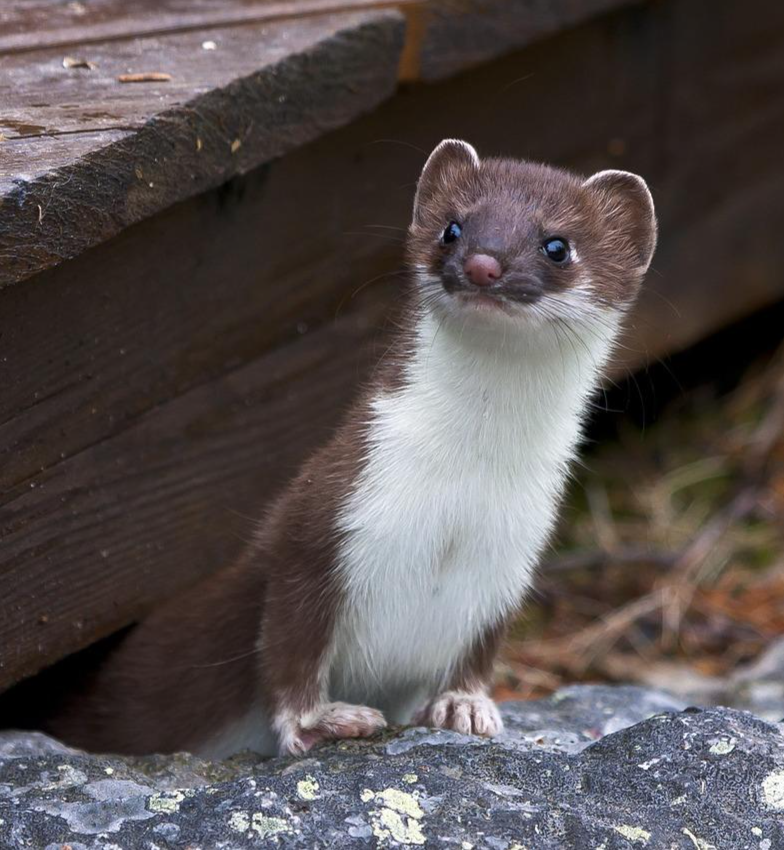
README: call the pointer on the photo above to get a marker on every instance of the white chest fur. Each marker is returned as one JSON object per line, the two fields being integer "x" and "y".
{"x": 465, "y": 467}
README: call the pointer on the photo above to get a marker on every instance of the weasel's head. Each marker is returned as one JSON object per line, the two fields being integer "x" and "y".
{"x": 502, "y": 239}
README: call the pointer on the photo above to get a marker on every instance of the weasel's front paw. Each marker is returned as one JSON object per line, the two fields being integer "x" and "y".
{"x": 329, "y": 721}
{"x": 469, "y": 713}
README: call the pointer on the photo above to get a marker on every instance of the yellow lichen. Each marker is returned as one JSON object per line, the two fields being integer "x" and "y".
{"x": 398, "y": 818}
{"x": 773, "y": 789}
{"x": 307, "y": 788}
{"x": 265, "y": 825}
{"x": 411, "y": 778}
{"x": 402, "y": 802}
{"x": 165, "y": 802}
{"x": 387, "y": 823}
{"x": 239, "y": 822}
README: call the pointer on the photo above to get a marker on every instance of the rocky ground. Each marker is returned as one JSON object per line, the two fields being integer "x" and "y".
{"x": 596, "y": 767}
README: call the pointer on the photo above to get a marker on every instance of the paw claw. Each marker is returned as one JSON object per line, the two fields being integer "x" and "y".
{"x": 438, "y": 714}
{"x": 330, "y": 721}
{"x": 467, "y": 713}
{"x": 294, "y": 746}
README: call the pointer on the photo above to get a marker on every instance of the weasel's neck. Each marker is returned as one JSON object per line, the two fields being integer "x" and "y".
{"x": 480, "y": 383}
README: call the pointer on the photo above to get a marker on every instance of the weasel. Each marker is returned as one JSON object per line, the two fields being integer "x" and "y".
{"x": 379, "y": 583}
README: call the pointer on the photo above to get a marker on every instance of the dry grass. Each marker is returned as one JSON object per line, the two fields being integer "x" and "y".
{"x": 671, "y": 552}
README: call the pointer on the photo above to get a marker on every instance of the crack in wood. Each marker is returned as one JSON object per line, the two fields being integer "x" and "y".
{"x": 83, "y": 131}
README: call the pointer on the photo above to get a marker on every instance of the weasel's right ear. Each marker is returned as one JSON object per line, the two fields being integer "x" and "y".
{"x": 443, "y": 169}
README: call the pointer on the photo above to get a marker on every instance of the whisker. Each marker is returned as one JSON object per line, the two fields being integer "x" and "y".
{"x": 401, "y": 143}
{"x": 362, "y": 286}
{"x": 251, "y": 652}
{"x": 396, "y": 240}
{"x": 387, "y": 227}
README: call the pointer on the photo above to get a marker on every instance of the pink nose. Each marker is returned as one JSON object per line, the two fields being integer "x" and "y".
{"x": 482, "y": 269}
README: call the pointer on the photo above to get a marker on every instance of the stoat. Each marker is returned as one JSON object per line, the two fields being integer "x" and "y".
{"x": 380, "y": 582}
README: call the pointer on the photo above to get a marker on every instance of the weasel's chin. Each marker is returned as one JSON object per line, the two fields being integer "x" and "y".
{"x": 493, "y": 312}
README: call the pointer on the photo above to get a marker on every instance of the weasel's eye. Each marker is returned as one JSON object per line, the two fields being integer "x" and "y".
{"x": 556, "y": 249}
{"x": 451, "y": 233}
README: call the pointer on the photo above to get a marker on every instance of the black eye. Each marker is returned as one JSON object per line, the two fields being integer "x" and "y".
{"x": 451, "y": 233}
{"x": 556, "y": 249}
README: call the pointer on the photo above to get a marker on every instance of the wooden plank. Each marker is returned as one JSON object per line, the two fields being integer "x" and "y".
{"x": 717, "y": 168}
{"x": 694, "y": 292}
{"x": 182, "y": 299}
{"x": 31, "y": 26}
{"x": 19, "y": 167}
{"x": 125, "y": 339}
{"x": 275, "y": 88}
{"x": 123, "y": 367}
{"x": 176, "y": 507}
{"x": 459, "y": 34}
{"x": 44, "y": 99}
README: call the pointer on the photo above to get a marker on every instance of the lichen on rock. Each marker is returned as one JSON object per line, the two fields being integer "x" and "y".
{"x": 592, "y": 767}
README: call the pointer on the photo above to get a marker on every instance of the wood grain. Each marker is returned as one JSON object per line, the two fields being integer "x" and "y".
{"x": 268, "y": 90}
{"x": 463, "y": 33}
{"x": 42, "y": 98}
{"x": 166, "y": 501}
{"x": 30, "y": 26}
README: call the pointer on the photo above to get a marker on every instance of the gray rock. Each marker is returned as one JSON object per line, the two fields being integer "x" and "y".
{"x": 591, "y": 767}
{"x": 757, "y": 687}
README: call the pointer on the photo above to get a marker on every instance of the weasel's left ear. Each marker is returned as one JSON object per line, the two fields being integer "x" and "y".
{"x": 450, "y": 161}
{"x": 627, "y": 203}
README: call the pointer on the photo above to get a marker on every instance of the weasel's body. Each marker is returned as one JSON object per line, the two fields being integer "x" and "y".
{"x": 435, "y": 553}
{"x": 381, "y": 581}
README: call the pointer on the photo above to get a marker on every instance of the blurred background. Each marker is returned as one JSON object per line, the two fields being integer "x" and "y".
{"x": 202, "y": 213}
{"x": 668, "y": 569}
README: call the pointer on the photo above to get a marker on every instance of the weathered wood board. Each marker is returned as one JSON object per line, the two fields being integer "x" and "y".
{"x": 458, "y": 34}
{"x": 33, "y": 24}
{"x": 160, "y": 387}
{"x": 268, "y": 89}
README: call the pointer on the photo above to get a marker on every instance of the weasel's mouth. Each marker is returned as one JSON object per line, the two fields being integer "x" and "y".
{"x": 510, "y": 294}
{"x": 486, "y": 300}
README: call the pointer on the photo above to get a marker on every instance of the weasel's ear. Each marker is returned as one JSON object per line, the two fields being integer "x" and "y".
{"x": 627, "y": 203}
{"x": 444, "y": 167}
